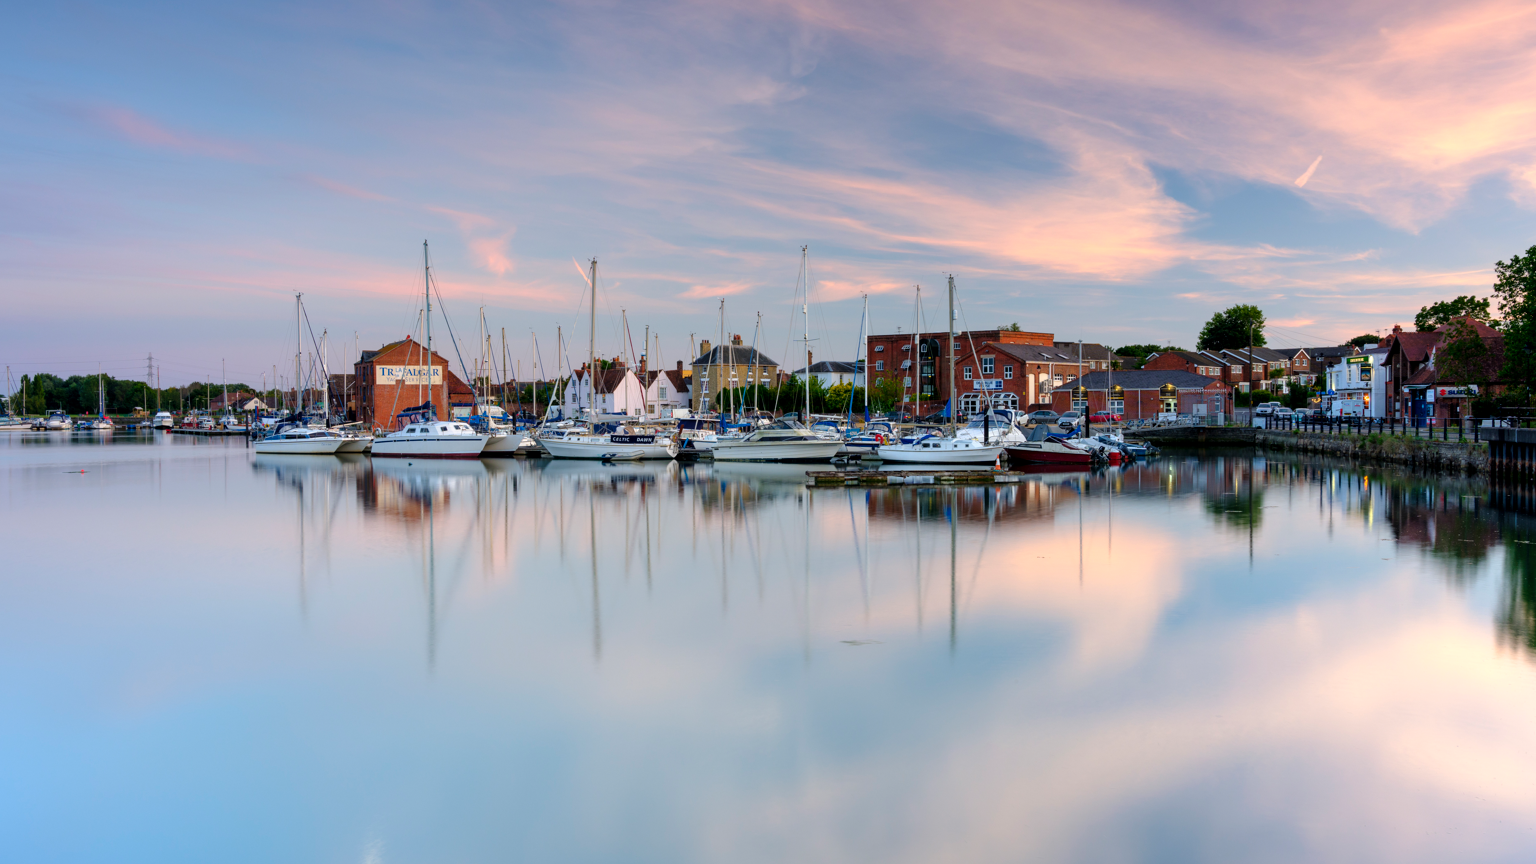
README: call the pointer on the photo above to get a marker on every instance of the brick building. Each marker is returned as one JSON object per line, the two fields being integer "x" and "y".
{"x": 1142, "y": 394}
{"x": 727, "y": 367}
{"x": 396, "y": 377}
{"x": 1016, "y": 368}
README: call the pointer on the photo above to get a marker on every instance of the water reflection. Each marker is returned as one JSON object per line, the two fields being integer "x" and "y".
{"x": 719, "y": 663}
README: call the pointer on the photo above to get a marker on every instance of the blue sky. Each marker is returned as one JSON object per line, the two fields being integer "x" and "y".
{"x": 172, "y": 174}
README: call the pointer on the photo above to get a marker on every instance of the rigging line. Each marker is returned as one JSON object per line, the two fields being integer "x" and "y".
{"x": 789, "y": 332}
{"x": 443, "y": 307}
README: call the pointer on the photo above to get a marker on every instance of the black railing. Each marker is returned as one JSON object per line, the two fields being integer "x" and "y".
{"x": 1428, "y": 428}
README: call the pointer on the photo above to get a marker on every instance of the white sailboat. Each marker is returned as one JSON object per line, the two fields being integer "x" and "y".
{"x": 784, "y": 440}
{"x": 948, "y": 449}
{"x": 300, "y": 440}
{"x": 424, "y": 436}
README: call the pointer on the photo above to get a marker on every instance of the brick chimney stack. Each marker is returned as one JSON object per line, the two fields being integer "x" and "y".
{"x": 736, "y": 339}
{"x": 704, "y": 347}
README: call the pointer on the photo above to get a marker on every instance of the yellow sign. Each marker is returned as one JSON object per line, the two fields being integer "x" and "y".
{"x": 406, "y": 375}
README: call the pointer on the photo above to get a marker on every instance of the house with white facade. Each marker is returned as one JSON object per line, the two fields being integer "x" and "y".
{"x": 833, "y": 372}
{"x": 667, "y": 390}
{"x": 619, "y": 391}
{"x": 1358, "y": 386}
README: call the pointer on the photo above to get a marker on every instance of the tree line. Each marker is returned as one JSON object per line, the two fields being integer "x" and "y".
{"x": 44, "y": 392}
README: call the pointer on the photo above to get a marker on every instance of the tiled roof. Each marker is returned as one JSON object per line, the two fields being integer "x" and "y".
{"x": 734, "y": 355}
{"x": 1143, "y": 379}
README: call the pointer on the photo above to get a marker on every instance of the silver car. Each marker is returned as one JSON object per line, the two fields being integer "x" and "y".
{"x": 1070, "y": 420}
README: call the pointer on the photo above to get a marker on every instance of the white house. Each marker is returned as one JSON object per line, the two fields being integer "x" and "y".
{"x": 1358, "y": 385}
{"x": 666, "y": 391}
{"x": 619, "y": 391}
{"x": 832, "y": 372}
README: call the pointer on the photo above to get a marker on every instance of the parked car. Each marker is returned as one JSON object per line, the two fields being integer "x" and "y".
{"x": 1265, "y": 408}
{"x": 1305, "y": 413}
{"x": 1283, "y": 411}
{"x": 936, "y": 417}
{"x": 1104, "y": 417}
{"x": 1069, "y": 420}
{"x": 1042, "y": 417}
{"x": 900, "y": 417}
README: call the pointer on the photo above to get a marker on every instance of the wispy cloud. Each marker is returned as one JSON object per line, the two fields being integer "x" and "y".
{"x": 133, "y": 127}
{"x": 1307, "y": 174}
{"x": 340, "y": 188}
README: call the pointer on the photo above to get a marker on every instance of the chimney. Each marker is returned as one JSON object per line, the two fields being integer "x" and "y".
{"x": 679, "y": 366}
{"x": 1396, "y": 329}
{"x": 703, "y": 347}
{"x": 736, "y": 339}
{"x": 810, "y": 360}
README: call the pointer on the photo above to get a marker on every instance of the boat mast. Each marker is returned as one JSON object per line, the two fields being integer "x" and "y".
{"x": 592, "y": 347}
{"x": 720, "y": 352}
{"x": 951, "y": 334}
{"x": 426, "y": 291}
{"x": 325, "y": 374}
{"x": 860, "y": 352}
{"x": 914, "y": 362}
{"x": 805, "y": 308}
{"x": 298, "y": 347}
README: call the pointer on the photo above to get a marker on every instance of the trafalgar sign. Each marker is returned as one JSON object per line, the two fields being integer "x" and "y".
{"x": 407, "y": 375}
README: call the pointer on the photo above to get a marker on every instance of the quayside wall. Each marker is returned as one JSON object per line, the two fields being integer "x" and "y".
{"x": 1447, "y": 456}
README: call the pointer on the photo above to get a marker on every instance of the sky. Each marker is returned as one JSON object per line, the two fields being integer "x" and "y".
{"x": 171, "y": 174}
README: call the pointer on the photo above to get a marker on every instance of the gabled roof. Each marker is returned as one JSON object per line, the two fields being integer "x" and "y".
{"x": 1058, "y": 353}
{"x": 1091, "y": 350}
{"x": 1143, "y": 379}
{"x": 834, "y": 367}
{"x": 608, "y": 380}
{"x": 1331, "y": 351}
{"x": 734, "y": 355}
{"x": 1416, "y": 346}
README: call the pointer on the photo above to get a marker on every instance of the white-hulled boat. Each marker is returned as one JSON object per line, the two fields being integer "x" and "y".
{"x": 300, "y": 440}
{"x": 780, "y": 441}
{"x": 58, "y": 421}
{"x": 621, "y": 444}
{"x": 354, "y": 443}
{"x": 163, "y": 420}
{"x": 939, "y": 450}
{"x": 431, "y": 439}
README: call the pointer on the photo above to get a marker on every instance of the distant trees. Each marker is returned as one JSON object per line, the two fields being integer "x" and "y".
{"x": 77, "y": 394}
{"x": 1363, "y": 340}
{"x": 1438, "y": 315}
{"x": 1138, "y": 353}
{"x": 1233, "y": 328}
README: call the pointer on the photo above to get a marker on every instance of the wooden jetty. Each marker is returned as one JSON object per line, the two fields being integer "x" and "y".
{"x": 913, "y": 478}
{"x": 207, "y": 433}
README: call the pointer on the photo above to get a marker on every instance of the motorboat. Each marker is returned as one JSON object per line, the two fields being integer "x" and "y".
{"x": 428, "y": 438}
{"x": 231, "y": 423}
{"x": 995, "y": 427}
{"x": 101, "y": 424}
{"x": 779, "y": 441}
{"x": 11, "y": 421}
{"x": 866, "y": 442}
{"x": 57, "y": 421}
{"x": 1042, "y": 447}
{"x": 941, "y": 450}
{"x": 572, "y": 444}
{"x": 163, "y": 420}
{"x": 354, "y": 442}
{"x": 300, "y": 440}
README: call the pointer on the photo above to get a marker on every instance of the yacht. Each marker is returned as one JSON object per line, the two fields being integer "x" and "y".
{"x": 622, "y": 443}
{"x": 994, "y": 428}
{"x": 163, "y": 420}
{"x": 941, "y": 450}
{"x": 300, "y": 440}
{"x": 432, "y": 439}
{"x": 780, "y": 441}
{"x": 56, "y": 421}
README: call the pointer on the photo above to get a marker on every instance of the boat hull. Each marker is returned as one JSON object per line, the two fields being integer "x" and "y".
{"x": 429, "y": 446}
{"x": 298, "y": 446}
{"x": 566, "y": 448}
{"x": 785, "y": 451}
{"x": 978, "y": 455}
{"x": 1047, "y": 453}
{"x": 505, "y": 445}
{"x": 361, "y": 444}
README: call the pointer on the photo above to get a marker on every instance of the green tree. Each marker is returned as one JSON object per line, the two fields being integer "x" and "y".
{"x": 1232, "y": 328}
{"x": 885, "y": 394}
{"x": 1012, "y": 328}
{"x": 1364, "y": 339}
{"x": 1438, "y": 315}
{"x": 1464, "y": 357}
{"x": 1515, "y": 287}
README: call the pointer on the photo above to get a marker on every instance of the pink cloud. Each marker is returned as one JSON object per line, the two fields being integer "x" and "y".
{"x": 138, "y": 129}
{"x": 696, "y": 292}
{"x": 343, "y": 189}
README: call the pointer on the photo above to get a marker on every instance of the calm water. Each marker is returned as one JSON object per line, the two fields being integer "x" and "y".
{"x": 207, "y": 655}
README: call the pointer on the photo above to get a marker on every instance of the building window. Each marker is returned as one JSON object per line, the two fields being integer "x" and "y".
{"x": 906, "y": 382}
{"x": 1117, "y": 406}
{"x": 906, "y": 347}
{"x": 1079, "y": 404}
{"x": 927, "y": 370}
{"x": 967, "y": 373}
{"x": 928, "y": 390}
{"x": 879, "y": 365}
{"x": 661, "y": 392}
{"x": 879, "y": 349}
{"x": 906, "y": 364}
{"x": 986, "y": 366}
{"x": 1007, "y": 371}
